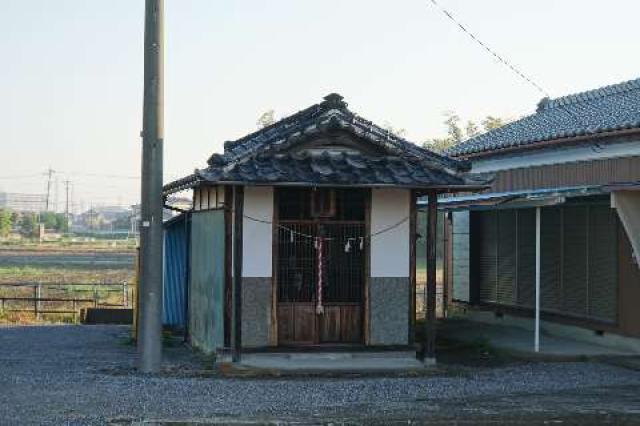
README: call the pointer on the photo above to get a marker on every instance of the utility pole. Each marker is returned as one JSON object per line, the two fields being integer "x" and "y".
{"x": 56, "y": 189}
{"x": 50, "y": 175}
{"x": 150, "y": 328}
{"x": 66, "y": 208}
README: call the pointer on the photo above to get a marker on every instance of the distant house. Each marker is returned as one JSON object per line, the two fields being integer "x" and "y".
{"x": 576, "y": 162}
{"x": 23, "y": 202}
{"x": 312, "y": 219}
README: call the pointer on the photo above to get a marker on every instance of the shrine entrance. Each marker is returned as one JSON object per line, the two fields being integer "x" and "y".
{"x": 321, "y": 255}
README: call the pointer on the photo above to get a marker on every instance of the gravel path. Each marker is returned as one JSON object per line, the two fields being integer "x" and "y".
{"x": 65, "y": 375}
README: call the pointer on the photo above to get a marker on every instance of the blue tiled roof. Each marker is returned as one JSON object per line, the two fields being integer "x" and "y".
{"x": 606, "y": 109}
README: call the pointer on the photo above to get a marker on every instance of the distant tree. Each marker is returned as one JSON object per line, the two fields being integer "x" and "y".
{"x": 455, "y": 134}
{"x": 28, "y": 224}
{"x": 49, "y": 220}
{"x": 471, "y": 129}
{"x": 453, "y": 127}
{"x": 400, "y": 132}
{"x": 122, "y": 223}
{"x": 490, "y": 122}
{"x": 6, "y": 221}
{"x": 62, "y": 225}
{"x": 438, "y": 144}
{"x": 266, "y": 119}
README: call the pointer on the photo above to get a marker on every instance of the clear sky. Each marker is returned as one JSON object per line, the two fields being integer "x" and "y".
{"x": 71, "y": 74}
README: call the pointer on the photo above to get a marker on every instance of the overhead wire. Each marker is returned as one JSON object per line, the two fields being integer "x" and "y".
{"x": 314, "y": 237}
{"x": 497, "y": 56}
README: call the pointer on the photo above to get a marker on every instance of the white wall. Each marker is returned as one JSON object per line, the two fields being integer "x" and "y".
{"x": 208, "y": 197}
{"x": 257, "y": 237}
{"x": 390, "y": 250}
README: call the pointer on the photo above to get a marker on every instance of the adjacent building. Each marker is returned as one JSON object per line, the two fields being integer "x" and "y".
{"x": 21, "y": 202}
{"x": 574, "y": 166}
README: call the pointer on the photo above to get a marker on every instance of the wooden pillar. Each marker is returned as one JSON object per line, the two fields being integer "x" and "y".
{"x": 413, "y": 239}
{"x": 429, "y": 350}
{"x": 536, "y": 342}
{"x": 238, "y": 204}
{"x": 447, "y": 290}
{"x": 228, "y": 265}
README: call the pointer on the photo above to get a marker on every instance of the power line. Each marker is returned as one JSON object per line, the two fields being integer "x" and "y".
{"x": 101, "y": 175}
{"x": 59, "y": 172}
{"x": 504, "y": 61}
{"x": 33, "y": 175}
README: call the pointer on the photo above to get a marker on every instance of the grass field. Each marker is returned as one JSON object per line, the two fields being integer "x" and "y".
{"x": 94, "y": 270}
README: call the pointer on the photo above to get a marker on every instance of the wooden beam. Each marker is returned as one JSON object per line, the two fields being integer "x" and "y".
{"x": 429, "y": 350}
{"x": 238, "y": 206}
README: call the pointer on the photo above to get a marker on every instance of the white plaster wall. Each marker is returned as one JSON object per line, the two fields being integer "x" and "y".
{"x": 390, "y": 250}
{"x": 196, "y": 199}
{"x": 208, "y": 197}
{"x": 257, "y": 237}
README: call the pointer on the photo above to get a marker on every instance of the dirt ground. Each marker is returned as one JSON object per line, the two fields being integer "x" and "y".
{"x": 79, "y": 375}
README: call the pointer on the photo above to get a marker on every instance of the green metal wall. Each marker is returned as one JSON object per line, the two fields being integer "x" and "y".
{"x": 206, "y": 293}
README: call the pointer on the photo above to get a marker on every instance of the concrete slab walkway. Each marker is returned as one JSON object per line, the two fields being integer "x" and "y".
{"x": 519, "y": 340}
{"x": 334, "y": 361}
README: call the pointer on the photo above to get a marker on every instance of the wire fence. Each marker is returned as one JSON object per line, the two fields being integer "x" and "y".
{"x": 68, "y": 299}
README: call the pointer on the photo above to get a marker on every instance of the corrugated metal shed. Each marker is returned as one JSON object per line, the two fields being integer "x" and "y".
{"x": 174, "y": 290}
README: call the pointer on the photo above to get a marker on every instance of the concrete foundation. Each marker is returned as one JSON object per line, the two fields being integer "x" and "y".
{"x": 578, "y": 334}
{"x": 334, "y": 361}
{"x": 389, "y": 311}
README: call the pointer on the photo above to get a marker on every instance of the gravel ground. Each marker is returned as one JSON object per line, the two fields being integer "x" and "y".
{"x": 83, "y": 375}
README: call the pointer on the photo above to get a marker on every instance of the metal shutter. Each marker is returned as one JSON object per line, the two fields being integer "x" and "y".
{"x": 602, "y": 263}
{"x": 526, "y": 257}
{"x": 574, "y": 268}
{"x": 507, "y": 256}
{"x": 487, "y": 256}
{"x": 551, "y": 295}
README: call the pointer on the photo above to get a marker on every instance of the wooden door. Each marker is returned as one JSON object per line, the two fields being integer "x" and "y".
{"x": 300, "y": 321}
{"x": 337, "y": 216}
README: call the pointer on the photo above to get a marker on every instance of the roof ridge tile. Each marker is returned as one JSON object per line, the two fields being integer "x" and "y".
{"x": 608, "y": 90}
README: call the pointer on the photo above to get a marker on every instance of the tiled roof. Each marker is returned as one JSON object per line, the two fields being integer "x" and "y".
{"x": 606, "y": 109}
{"x": 267, "y": 157}
{"x": 331, "y": 114}
{"x": 335, "y": 168}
